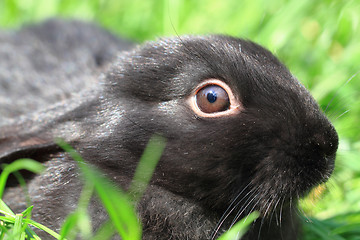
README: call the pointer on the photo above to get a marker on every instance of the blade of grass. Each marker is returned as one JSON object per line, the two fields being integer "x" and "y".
{"x": 4, "y": 209}
{"x": 27, "y": 212}
{"x": 3, "y": 230}
{"x": 7, "y": 219}
{"x": 116, "y": 203}
{"x": 119, "y": 208}
{"x": 79, "y": 221}
{"x": 106, "y": 231}
{"x": 42, "y": 227}
{"x": 322, "y": 231}
{"x": 84, "y": 220}
{"x": 31, "y": 234}
{"x": 69, "y": 228}
{"x": 17, "y": 227}
{"x": 146, "y": 166}
{"x": 23, "y": 185}
{"x": 25, "y": 163}
{"x": 240, "y": 228}
{"x": 348, "y": 229}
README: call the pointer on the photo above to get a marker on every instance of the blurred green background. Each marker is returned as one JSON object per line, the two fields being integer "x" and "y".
{"x": 318, "y": 40}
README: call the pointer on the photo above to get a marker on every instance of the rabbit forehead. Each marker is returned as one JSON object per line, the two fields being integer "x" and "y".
{"x": 172, "y": 67}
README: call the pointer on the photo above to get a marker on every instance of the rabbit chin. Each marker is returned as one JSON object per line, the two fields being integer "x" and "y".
{"x": 275, "y": 185}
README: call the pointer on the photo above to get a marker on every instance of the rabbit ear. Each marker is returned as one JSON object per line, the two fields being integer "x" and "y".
{"x": 34, "y": 136}
{"x": 14, "y": 145}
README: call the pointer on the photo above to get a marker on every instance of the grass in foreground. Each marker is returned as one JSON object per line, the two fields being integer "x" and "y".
{"x": 317, "y": 40}
{"x": 119, "y": 205}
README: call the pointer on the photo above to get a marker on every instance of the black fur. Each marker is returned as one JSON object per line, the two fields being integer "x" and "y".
{"x": 264, "y": 158}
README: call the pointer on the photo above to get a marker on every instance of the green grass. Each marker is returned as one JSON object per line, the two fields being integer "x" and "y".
{"x": 119, "y": 205}
{"x": 317, "y": 40}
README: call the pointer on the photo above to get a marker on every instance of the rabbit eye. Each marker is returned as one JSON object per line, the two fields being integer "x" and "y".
{"x": 212, "y": 98}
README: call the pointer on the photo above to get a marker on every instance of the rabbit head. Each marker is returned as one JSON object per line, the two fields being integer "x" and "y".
{"x": 242, "y": 133}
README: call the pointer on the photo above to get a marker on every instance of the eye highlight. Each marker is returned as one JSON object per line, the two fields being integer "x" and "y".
{"x": 214, "y": 98}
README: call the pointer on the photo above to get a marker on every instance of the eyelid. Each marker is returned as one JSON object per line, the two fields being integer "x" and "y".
{"x": 235, "y": 104}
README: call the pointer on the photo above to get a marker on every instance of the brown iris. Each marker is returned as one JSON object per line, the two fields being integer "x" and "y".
{"x": 212, "y": 99}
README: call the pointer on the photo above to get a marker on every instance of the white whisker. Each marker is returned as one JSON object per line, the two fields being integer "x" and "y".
{"x": 229, "y": 210}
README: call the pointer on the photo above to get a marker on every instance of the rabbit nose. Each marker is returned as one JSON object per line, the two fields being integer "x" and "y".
{"x": 327, "y": 145}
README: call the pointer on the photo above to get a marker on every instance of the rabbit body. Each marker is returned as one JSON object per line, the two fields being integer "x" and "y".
{"x": 265, "y": 151}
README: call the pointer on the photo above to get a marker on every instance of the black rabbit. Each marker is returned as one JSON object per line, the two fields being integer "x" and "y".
{"x": 242, "y": 133}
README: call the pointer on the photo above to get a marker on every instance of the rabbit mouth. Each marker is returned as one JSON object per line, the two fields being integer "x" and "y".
{"x": 285, "y": 183}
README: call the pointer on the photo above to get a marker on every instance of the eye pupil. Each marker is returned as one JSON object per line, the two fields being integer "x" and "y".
{"x": 211, "y": 97}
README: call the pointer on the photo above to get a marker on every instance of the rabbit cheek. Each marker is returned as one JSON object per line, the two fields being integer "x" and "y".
{"x": 289, "y": 171}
